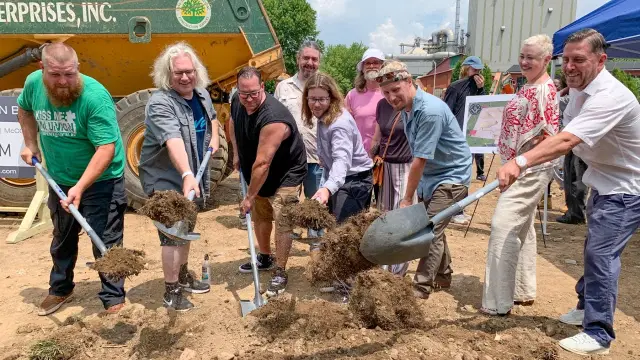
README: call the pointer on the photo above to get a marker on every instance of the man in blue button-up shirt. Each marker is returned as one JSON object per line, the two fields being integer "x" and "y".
{"x": 441, "y": 165}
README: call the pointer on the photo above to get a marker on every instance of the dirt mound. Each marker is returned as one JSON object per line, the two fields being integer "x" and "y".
{"x": 382, "y": 299}
{"x": 120, "y": 263}
{"x": 169, "y": 207}
{"x": 309, "y": 319}
{"x": 340, "y": 255}
{"x": 308, "y": 214}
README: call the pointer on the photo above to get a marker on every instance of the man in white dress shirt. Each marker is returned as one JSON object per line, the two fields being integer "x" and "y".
{"x": 604, "y": 132}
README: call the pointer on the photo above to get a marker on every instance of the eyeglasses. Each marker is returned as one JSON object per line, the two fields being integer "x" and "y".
{"x": 321, "y": 100}
{"x": 392, "y": 77}
{"x": 189, "y": 73}
{"x": 250, "y": 94}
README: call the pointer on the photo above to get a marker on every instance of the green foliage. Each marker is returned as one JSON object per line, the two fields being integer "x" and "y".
{"x": 631, "y": 82}
{"x": 455, "y": 76}
{"x": 193, "y": 7}
{"x": 293, "y": 21}
{"x": 340, "y": 62}
{"x": 488, "y": 78}
{"x": 486, "y": 73}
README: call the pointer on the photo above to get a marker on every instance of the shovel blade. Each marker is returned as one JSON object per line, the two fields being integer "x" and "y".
{"x": 178, "y": 232}
{"x": 247, "y": 306}
{"x": 397, "y": 236}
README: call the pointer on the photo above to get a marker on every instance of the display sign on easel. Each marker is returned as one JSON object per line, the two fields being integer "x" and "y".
{"x": 11, "y": 142}
{"x": 36, "y": 217}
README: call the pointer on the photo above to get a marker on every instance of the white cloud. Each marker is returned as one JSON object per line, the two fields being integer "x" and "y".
{"x": 387, "y": 37}
{"x": 329, "y": 8}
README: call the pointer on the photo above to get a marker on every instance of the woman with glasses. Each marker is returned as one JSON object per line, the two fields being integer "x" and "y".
{"x": 347, "y": 180}
{"x": 530, "y": 117}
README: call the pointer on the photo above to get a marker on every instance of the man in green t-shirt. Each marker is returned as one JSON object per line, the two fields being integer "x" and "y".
{"x": 78, "y": 130}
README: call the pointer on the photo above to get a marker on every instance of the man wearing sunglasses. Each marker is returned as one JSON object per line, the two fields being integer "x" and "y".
{"x": 441, "y": 167}
{"x": 272, "y": 157}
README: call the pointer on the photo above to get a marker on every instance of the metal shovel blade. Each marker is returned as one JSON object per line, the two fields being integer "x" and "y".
{"x": 405, "y": 234}
{"x": 178, "y": 232}
{"x": 247, "y": 306}
{"x": 398, "y": 236}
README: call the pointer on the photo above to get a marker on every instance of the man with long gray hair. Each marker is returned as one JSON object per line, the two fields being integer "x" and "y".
{"x": 180, "y": 124}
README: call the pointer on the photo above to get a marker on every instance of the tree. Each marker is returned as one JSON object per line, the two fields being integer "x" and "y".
{"x": 631, "y": 82}
{"x": 293, "y": 21}
{"x": 340, "y": 62}
{"x": 193, "y": 7}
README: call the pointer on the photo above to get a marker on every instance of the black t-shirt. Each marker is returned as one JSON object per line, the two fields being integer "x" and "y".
{"x": 289, "y": 164}
{"x": 399, "y": 151}
{"x": 456, "y": 94}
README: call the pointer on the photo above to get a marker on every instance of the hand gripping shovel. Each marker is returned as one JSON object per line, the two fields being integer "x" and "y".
{"x": 72, "y": 208}
{"x": 180, "y": 230}
{"x": 247, "y": 306}
{"x": 405, "y": 234}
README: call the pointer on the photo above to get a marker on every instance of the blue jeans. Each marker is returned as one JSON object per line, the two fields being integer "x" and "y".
{"x": 612, "y": 220}
{"x": 310, "y": 185}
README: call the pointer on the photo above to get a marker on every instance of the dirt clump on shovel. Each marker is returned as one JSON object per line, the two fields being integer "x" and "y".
{"x": 119, "y": 263}
{"x": 380, "y": 298}
{"x": 340, "y": 256}
{"x": 308, "y": 214}
{"x": 168, "y": 207}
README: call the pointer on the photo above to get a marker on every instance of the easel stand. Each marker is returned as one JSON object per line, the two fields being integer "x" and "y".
{"x": 37, "y": 209}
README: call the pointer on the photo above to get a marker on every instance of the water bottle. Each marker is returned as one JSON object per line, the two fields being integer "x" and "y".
{"x": 206, "y": 270}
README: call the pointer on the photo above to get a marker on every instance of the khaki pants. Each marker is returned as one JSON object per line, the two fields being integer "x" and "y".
{"x": 436, "y": 267}
{"x": 269, "y": 208}
{"x": 510, "y": 272}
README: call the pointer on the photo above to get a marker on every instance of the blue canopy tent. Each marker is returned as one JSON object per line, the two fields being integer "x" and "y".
{"x": 617, "y": 20}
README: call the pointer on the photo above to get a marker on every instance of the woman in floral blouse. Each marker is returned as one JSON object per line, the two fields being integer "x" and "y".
{"x": 531, "y": 116}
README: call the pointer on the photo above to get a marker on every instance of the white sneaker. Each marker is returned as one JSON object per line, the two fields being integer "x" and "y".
{"x": 573, "y": 317}
{"x": 583, "y": 344}
{"x": 460, "y": 219}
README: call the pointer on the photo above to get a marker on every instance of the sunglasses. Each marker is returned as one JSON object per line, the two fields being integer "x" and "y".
{"x": 391, "y": 77}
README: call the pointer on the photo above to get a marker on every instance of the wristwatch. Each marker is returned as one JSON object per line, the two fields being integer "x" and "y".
{"x": 521, "y": 161}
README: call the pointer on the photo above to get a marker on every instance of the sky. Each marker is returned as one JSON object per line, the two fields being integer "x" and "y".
{"x": 377, "y": 23}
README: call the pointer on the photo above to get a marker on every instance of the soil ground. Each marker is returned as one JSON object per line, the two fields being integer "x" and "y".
{"x": 315, "y": 325}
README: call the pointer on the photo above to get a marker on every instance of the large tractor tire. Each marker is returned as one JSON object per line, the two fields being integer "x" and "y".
{"x": 131, "y": 116}
{"x": 229, "y": 167}
{"x": 16, "y": 192}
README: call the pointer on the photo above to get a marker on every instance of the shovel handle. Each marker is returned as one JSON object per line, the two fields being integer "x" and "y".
{"x": 257, "y": 300}
{"x": 201, "y": 169}
{"x": 72, "y": 208}
{"x": 457, "y": 207}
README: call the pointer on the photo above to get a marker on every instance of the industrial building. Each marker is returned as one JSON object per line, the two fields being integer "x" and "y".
{"x": 497, "y": 28}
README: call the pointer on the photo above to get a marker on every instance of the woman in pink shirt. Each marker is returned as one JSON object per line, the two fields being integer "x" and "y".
{"x": 363, "y": 99}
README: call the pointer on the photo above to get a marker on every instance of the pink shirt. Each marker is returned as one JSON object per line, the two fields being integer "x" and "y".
{"x": 363, "y": 109}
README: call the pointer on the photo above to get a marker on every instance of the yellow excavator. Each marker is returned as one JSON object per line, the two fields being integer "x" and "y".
{"x": 117, "y": 42}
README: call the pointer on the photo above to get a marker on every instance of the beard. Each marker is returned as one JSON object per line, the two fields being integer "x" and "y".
{"x": 370, "y": 75}
{"x": 307, "y": 72}
{"x": 64, "y": 96}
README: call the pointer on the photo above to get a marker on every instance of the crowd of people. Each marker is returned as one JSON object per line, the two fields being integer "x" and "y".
{"x": 386, "y": 140}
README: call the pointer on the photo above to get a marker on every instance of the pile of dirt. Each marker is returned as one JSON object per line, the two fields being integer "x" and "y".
{"x": 287, "y": 318}
{"x": 169, "y": 207}
{"x": 340, "y": 256}
{"x": 308, "y": 214}
{"x": 119, "y": 263}
{"x": 380, "y": 298}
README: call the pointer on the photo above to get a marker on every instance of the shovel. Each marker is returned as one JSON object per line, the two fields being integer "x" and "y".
{"x": 95, "y": 239}
{"x": 405, "y": 234}
{"x": 180, "y": 230}
{"x": 247, "y": 306}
